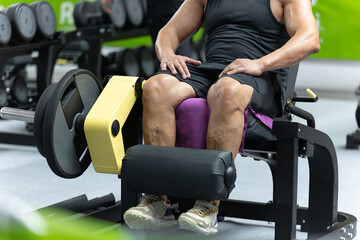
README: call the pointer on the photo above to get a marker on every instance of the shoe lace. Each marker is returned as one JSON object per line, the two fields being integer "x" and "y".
{"x": 148, "y": 199}
{"x": 202, "y": 209}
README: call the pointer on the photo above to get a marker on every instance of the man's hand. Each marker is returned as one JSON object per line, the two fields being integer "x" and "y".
{"x": 177, "y": 63}
{"x": 241, "y": 65}
{"x": 105, "y": 5}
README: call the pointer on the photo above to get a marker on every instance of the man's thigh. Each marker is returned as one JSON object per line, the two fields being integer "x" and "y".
{"x": 166, "y": 89}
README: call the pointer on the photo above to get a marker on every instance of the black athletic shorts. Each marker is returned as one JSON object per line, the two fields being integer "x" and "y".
{"x": 266, "y": 96}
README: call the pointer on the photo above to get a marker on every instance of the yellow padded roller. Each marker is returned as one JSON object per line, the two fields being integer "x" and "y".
{"x": 104, "y": 122}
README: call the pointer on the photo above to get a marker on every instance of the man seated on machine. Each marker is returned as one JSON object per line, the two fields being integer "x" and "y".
{"x": 249, "y": 47}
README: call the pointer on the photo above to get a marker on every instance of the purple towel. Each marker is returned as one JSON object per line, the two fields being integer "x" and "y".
{"x": 192, "y": 117}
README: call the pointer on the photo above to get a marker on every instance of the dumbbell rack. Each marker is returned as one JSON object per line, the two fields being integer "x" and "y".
{"x": 48, "y": 51}
{"x": 95, "y": 37}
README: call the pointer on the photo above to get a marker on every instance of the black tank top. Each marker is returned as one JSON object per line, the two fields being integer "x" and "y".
{"x": 244, "y": 29}
{"x": 241, "y": 29}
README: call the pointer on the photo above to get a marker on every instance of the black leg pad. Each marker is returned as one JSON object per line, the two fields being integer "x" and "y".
{"x": 180, "y": 172}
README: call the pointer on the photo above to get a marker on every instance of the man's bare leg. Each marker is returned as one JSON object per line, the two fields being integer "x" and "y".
{"x": 227, "y": 100}
{"x": 162, "y": 94}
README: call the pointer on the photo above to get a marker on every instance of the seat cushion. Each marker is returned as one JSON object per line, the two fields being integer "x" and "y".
{"x": 192, "y": 117}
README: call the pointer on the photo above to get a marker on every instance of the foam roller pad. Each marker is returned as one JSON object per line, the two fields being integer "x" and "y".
{"x": 179, "y": 172}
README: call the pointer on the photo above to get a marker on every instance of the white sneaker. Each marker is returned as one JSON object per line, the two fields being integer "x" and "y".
{"x": 152, "y": 213}
{"x": 201, "y": 218}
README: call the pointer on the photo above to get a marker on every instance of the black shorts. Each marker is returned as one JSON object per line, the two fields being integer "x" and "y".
{"x": 266, "y": 96}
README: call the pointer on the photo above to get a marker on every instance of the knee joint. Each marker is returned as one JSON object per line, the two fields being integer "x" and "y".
{"x": 230, "y": 95}
{"x": 153, "y": 90}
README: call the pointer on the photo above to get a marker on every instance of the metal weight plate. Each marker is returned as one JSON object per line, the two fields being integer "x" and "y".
{"x": 146, "y": 61}
{"x": 18, "y": 89}
{"x": 3, "y": 94}
{"x": 45, "y": 18}
{"x": 23, "y": 20}
{"x": 64, "y": 140}
{"x": 5, "y": 29}
{"x": 39, "y": 117}
{"x": 80, "y": 9}
{"x": 87, "y": 14}
{"x": 118, "y": 18}
{"x": 128, "y": 63}
{"x": 135, "y": 12}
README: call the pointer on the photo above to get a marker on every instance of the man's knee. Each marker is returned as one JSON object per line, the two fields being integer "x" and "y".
{"x": 164, "y": 89}
{"x": 229, "y": 95}
{"x": 155, "y": 88}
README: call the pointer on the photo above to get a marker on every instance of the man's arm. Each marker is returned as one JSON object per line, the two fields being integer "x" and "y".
{"x": 301, "y": 26}
{"x": 182, "y": 25}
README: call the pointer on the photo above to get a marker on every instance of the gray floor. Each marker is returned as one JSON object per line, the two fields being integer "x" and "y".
{"x": 26, "y": 182}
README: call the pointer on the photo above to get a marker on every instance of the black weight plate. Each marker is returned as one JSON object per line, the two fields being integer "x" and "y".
{"x": 80, "y": 9}
{"x": 65, "y": 148}
{"x": 118, "y": 18}
{"x": 146, "y": 61}
{"x": 45, "y": 18}
{"x": 3, "y": 95}
{"x": 23, "y": 20}
{"x": 5, "y": 29}
{"x": 128, "y": 63}
{"x": 18, "y": 90}
{"x": 135, "y": 12}
{"x": 39, "y": 117}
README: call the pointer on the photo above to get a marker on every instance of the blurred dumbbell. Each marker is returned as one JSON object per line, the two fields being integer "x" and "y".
{"x": 118, "y": 18}
{"x": 13, "y": 91}
{"x": 45, "y": 19}
{"x": 23, "y": 22}
{"x": 91, "y": 14}
{"x": 5, "y": 29}
{"x": 146, "y": 61}
{"x": 134, "y": 12}
{"x": 3, "y": 95}
{"x": 18, "y": 90}
{"x": 86, "y": 14}
{"x": 123, "y": 62}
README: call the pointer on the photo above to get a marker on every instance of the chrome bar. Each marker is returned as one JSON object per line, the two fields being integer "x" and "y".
{"x": 17, "y": 114}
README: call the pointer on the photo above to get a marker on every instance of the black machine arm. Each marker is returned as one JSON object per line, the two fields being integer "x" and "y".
{"x": 291, "y": 108}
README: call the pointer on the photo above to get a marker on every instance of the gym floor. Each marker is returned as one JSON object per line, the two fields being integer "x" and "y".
{"x": 27, "y": 183}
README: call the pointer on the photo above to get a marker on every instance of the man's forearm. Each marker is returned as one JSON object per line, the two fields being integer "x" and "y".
{"x": 166, "y": 43}
{"x": 296, "y": 49}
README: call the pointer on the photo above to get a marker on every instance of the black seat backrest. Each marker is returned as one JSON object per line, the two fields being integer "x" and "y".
{"x": 292, "y": 75}
{"x": 258, "y": 132}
